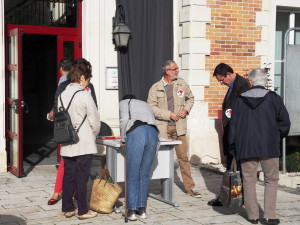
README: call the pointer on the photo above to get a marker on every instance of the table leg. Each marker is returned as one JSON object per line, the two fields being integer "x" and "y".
{"x": 111, "y": 162}
{"x": 167, "y": 184}
{"x": 167, "y": 193}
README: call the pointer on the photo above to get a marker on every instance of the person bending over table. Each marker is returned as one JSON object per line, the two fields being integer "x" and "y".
{"x": 140, "y": 138}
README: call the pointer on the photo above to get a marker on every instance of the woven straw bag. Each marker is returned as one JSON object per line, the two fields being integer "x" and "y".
{"x": 104, "y": 196}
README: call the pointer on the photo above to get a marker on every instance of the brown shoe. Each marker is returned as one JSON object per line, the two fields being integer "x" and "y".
{"x": 88, "y": 215}
{"x": 70, "y": 214}
{"x": 194, "y": 194}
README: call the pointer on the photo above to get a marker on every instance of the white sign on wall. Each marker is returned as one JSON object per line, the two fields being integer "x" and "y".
{"x": 112, "y": 78}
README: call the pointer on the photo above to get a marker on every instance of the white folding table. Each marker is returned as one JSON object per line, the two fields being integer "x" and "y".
{"x": 162, "y": 167}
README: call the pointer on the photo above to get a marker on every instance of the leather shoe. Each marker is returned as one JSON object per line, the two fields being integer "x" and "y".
{"x": 194, "y": 194}
{"x": 270, "y": 221}
{"x": 70, "y": 214}
{"x": 253, "y": 221}
{"x": 53, "y": 201}
{"x": 214, "y": 202}
{"x": 88, "y": 215}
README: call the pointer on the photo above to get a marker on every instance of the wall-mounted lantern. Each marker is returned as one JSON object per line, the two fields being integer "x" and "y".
{"x": 121, "y": 32}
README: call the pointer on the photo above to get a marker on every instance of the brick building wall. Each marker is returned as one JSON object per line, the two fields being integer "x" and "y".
{"x": 233, "y": 34}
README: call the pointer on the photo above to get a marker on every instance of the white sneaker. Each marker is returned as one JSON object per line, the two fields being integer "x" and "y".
{"x": 141, "y": 213}
{"x": 131, "y": 215}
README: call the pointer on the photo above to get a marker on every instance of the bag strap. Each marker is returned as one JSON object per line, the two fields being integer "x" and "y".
{"x": 233, "y": 166}
{"x": 70, "y": 100}
{"x": 129, "y": 109}
{"x": 77, "y": 130}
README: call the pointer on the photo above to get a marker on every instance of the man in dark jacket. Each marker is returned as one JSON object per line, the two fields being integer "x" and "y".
{"x": 236, "y": 85}
{"x": 63, "y": 83}
{"x": 259, "y": 120}
{"x": 62, "y": 86}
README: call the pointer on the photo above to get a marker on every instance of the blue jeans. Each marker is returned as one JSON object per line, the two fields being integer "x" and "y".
{"x": 141, "y": 144}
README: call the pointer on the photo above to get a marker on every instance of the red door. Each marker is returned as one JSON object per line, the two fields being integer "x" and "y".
{"x": 13, "y": 100}
{"x": 68, "y": 47}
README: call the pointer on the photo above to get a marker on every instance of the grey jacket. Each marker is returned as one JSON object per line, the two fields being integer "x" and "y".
{"x": 82, "y": 104}
{"x": 139, "y": 110}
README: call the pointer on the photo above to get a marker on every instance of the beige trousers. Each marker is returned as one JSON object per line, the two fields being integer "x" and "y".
{"x": 181, "y": 152}
{"x": 270, "y": 167}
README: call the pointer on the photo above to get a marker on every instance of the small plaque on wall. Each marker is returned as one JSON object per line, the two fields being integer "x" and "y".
{"x": 112, "y": 78}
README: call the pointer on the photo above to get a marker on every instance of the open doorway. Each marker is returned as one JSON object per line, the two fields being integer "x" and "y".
{"x": 38, "y": 35}
{"x": 39, "y": 86}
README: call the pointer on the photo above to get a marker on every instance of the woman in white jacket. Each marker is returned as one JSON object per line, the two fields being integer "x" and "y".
{"x": 78, "y": 157}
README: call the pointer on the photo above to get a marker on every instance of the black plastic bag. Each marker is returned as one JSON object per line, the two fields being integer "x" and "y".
{"x": 231, "y": 192}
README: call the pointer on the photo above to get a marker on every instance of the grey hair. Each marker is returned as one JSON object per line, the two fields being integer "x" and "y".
{"x": 166, "y": 65}
{"x": 258, "y": 77}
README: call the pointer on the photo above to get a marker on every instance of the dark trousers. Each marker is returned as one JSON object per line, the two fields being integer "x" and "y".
{"x": 77, "y": 170}
{"x": 229, "y": 159}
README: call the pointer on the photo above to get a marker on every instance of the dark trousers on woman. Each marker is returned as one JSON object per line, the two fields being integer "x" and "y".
{"x": 77, "y": 170}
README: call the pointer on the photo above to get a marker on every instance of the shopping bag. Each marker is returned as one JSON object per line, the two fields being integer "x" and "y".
{"x": 231, "y": 192}
{"x": 104, "y": 195}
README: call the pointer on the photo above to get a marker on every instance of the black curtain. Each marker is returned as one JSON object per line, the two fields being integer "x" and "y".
{"x": 151, "y": 44}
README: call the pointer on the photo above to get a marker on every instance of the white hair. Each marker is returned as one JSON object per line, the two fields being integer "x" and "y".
{"x": 258, "y": 77}
{"x": 166, "y": 65}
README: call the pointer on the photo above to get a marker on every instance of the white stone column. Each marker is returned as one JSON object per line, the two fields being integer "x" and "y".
{"x": 3, "y": 161}
{"x": 97, "y": 47}
{"x": 203, "y": 139}
{"x": 261, "y": 48}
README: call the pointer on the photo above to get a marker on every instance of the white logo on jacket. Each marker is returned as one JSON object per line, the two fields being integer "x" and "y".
{"x": 180, "y": 93}
{"x": 88, "y": 89}
{"x": 228, "y": 113}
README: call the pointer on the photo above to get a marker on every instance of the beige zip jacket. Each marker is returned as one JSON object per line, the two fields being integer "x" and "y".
{"x": 183, "y": 99}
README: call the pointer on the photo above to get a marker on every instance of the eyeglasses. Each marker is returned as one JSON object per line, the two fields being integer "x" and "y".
{"x": 174, "y": 69}
{"x": 221, "y": 81}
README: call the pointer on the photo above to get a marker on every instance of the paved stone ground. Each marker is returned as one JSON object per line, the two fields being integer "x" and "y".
{"x": 24, "y": 201}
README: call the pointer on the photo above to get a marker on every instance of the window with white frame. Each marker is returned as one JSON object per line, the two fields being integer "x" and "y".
{"x": 285, "y": 19}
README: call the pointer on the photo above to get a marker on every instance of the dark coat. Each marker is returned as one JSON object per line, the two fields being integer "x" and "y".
{"x": 240, "y": 85}
{"x": 63, "y": 86}
{"x": 259, "y": 120}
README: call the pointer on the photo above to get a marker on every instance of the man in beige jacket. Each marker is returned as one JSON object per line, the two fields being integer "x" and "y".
{"x": 171, "y": 100}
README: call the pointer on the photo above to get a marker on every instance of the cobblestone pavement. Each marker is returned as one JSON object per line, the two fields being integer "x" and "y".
{"x": 24, "y": 201}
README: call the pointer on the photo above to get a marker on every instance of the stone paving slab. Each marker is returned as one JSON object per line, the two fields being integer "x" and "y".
{"x": 24, "y": 201}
